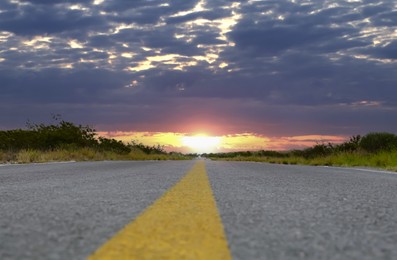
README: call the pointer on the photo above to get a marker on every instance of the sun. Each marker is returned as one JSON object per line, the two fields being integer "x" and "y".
{"x": 201, "y": 143}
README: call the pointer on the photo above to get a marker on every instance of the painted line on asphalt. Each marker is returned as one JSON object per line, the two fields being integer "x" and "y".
{"x": 361, "y": 169}
{"x": 369, "y": 170}
{"x": 182, "y": 224}
{"x": 40, "y": 163}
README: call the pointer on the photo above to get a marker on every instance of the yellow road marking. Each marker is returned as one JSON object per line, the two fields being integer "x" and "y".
{"x": 182, "y": 224}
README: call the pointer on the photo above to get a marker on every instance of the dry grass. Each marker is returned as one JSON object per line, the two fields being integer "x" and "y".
{"x": 81, "y": 154}
{"x": 384, "y": 160}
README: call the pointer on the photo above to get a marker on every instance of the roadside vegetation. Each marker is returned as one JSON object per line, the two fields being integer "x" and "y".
{"x": 376, "y": 149}
{"x": 66, "y": 141}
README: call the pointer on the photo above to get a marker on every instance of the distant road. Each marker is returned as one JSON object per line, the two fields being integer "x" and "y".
{"x": 243, "y": 210}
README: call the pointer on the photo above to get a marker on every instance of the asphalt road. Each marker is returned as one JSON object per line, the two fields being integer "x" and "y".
{"x": 68, "y": 210}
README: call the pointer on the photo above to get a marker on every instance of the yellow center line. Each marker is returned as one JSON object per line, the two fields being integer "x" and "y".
{"x": 182, "y": 224}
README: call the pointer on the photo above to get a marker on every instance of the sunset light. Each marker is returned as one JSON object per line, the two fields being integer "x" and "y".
{"x": 201, "y": 143}
{"x": 202, "y": 76}
{"x": 231, "y": 127}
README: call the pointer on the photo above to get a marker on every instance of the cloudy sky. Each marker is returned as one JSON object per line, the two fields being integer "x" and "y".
{"x": 270, "y": 74}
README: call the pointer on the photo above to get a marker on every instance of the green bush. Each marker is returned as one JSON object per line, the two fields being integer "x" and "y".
{"x": 48, "y": 137}
{"x": 318, "y": 150}
{"x": 113, "y": 145}
{"x": 350, "y": 146}
{"x": 64, "y": 140}
{"x": 373, "y": 150}
{"x": 156, "y": 149}
{"x": 376, "y": 142}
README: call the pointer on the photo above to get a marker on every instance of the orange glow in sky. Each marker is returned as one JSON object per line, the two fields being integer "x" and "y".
{"x": 202, "y": 143}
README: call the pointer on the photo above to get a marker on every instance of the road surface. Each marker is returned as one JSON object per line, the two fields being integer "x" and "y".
{"x": 249, "y": 210}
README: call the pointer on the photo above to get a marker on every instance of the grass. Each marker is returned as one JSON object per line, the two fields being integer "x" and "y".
{"x": 79, "y": 154}
{"x": 384, "y": 159}
{"x": 66, "y": 141}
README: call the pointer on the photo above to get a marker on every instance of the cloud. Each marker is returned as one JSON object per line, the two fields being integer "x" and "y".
{"x": 207, "y": 15}
{"x": 47, "y": 19}
{"x": 269, "y": 67}
{"x": 388, "y": 51}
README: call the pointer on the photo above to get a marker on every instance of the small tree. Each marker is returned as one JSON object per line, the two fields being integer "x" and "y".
{"x": 351, "y": 145}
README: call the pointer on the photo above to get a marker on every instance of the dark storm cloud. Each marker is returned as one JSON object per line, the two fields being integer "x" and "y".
{"x": 147, "y": 15}
{"x": 260, "y": 39}
{"x": 56, "y": 85}
{"x": 53, "y": 2}
{"x": 294, "y": 28}
{"x": 386, "y": 52}
{"x": 143, "y": 11}
{"x": 101, "y": 41}
{"x": 39, "y": 19}
{"x": 122, "y": 5}
{"x": 209, "y": 15}
{"x": 313, "y": 67}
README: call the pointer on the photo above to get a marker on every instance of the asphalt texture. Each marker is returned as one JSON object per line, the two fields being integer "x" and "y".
{"x": 302, "y": 212}
{"x": 67, "y": 210}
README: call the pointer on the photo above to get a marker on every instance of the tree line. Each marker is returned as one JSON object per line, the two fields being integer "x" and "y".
{"x": 370, "y": 143}
{"x": 66, "y": 135}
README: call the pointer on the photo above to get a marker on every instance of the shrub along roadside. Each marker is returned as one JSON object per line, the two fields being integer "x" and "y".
{"x": 65, "y": 141}
{"x": 372, "y": 150}
{"x": 80, "y": 154}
